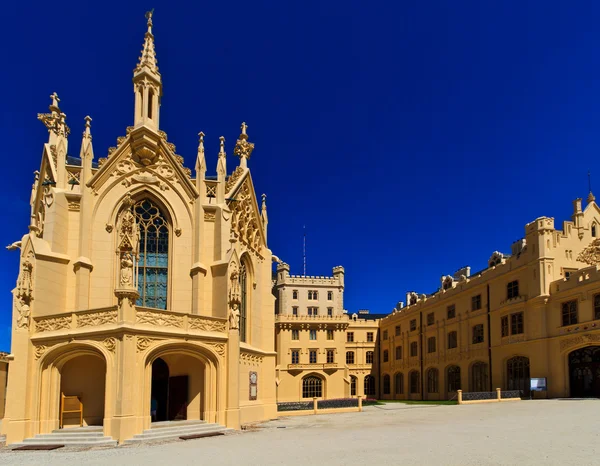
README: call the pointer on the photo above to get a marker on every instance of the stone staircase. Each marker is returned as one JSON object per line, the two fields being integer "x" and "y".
{"x": 171, "y": 430}
{"x": 92, "y": 436}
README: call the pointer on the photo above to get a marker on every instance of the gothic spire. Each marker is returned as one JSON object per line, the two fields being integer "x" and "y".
{"x": 148, "y": 57}
{"x": 243, "y": 148}
{"x": 221, "y": 172}
{"x": 200, "y": 160}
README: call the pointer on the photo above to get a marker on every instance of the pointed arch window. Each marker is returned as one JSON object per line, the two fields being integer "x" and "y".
{"x": 244, "y": 300}
{"x": 153, "y": 263}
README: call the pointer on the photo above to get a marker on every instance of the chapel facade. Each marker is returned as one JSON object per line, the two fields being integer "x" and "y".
{"x": 142, "y": 290}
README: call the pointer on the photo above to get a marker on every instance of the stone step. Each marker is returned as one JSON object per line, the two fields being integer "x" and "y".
{"x": 162, "y": 424}
{"x": 104, "y": 442}
{"x": 78, "y": 430}
{"x": 71, "y": 436}
{"x": 172, "y": 433}
{"x": 92, "y": 436}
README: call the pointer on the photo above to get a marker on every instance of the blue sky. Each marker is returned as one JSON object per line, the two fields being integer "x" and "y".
{"x": 411, "y": 138}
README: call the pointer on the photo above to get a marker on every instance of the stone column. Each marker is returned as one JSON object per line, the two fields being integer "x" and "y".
{"x": 498, "y": 394}
{"x": 232, "y": 414}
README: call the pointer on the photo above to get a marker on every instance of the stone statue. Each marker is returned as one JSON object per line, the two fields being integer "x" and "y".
{"x": 25, "y": 285}
{"x": 126, "y": 269}
{"x": 235, "y": 284}
{"x": 23, "y": 317}
{"x": 234, "y": 317}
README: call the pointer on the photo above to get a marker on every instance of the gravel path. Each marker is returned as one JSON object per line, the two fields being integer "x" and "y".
{"x": 544, "y": 432}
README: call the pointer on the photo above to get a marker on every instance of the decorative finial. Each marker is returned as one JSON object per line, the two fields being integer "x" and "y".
{"x": 591, "y": 197}
{"x": 222, "y": 145}
{"x": 88, "y": 125}
{"x": 55, "y": 101}
{"x": 149, "y": 18}
{"x": 243, "y": 148}
{"x": 201, "y": 143}
{"x": 264, "y": 202}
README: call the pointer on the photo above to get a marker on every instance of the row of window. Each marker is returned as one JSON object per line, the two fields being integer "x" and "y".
{"x": 478, "y": 337}
{"x": 312, "y": 386}
{"x": 312, "y": 356}
{"x": 350, "y": 337}
{"x": 312, "y": 311}
{"x": 313, "y": 295}
{"x": 570, "y": 313}
{"x": 478, "y": 382}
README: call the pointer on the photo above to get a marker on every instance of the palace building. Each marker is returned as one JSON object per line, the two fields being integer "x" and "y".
{"x": 322, "y": 351}
{"x": 533, "y": 313}
{"x": 144, "y": 293}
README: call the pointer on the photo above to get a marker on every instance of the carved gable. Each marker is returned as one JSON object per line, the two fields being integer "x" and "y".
{"x": 246, "y": 224}
{"x": 154, "y": 164}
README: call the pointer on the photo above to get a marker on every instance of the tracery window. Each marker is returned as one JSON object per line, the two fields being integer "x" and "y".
{"x": 517, "y": 371}
{"x": 414, "y": 381}
{"x": 369, "y": 385}
{"x": 352, "y": 385}
{"x": 312, "y": 387}
{"x": 433, "y": 376}
{"x": 453, "y": 378}
{"x": 386, "y": 384}
{"x": 479, "y": 377}
{"x": 153, "y": 263}
{"x": 399, "y": 383}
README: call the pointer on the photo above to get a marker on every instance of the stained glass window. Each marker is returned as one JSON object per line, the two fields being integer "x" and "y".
{"x": 153, "y": 264}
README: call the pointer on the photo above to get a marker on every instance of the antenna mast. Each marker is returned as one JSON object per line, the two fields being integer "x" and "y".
{"x": 304, "y": 251}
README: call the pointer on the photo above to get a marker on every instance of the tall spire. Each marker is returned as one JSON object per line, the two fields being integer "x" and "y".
{"x": 148, "y": 57}
{"x": 87, "y": 152}
{"x": 221, "y": 171}
{"x": 147, "y": 83}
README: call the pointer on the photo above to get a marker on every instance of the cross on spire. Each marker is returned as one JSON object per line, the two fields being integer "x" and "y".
{"x": 55, "y": 99}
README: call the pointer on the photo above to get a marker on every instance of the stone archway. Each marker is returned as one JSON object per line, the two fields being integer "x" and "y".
{"x": 584, "y": 372}
{"x": 181, "y": 384}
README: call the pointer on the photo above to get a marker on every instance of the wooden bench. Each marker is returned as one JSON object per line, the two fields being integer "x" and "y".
{"x": 71, "y": 405}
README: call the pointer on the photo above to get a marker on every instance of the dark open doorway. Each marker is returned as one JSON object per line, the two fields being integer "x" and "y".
{"x": 160, "y": 390}
{"x": 584, "y": 372}
{"x": 178, "y": 398}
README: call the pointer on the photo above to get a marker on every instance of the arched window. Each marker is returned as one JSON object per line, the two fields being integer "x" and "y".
{"x": 352, "y": 385}
{"x": 369, "y": 357}
{"x": 312, "y": 387}
{"x": 369, "y": 385}
{"x": 433, "y": 376}
{"x": 414, "y": 382}
{"x": 386, "y": 384}
{"x": 244, "y": 282}
{"x": 453, "y": 378}
{"x": 150, "y": 102}
{"x": 517, "y": 371}
{"x": 153, "y": 264}
{"x": 594, "y": 230}
{"x": 479, "y": 377}
{"x": 399, "y": 383}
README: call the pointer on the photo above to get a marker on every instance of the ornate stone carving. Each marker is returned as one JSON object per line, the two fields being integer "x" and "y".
{"x": 251, "y": 359}
{"x": 110, "y": 344}
{"x": 243, "y": 148}
{"x": 39, "y": 351}
{"x": 591, "y": 254}
{"x": 219, "y": 348}
{"x": 578, "y": 340}
{"x": 55, "y": 121}
{"x": 109, "y": 227}
{"x": 144, "y": 342}
{"x": 245, "y": 222}
{"x": 93, "y": 319}
{"x": 207, "y": 325}
{"x": 125, "y": 166}
{"x": 23, "y": 314}
{"x": 50, "y": 324}
{"x": 146, "y": 156}
{"x": 209, "y": 216}
{"x": 232, "y": 180}
{"x": 74, "y": 206}
{"x": 161, "y": 319}
{"x": 25, "y": 280}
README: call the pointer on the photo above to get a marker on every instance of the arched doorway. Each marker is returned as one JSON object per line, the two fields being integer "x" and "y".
{"x": 584, "y": 372}
{"x": 178, "y": 387}
{"x": 84, "y": 376}
{"x": 369, "y": 385}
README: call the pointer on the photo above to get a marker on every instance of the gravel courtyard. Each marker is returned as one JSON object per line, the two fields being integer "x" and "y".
{"x": 548, "y": 432}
